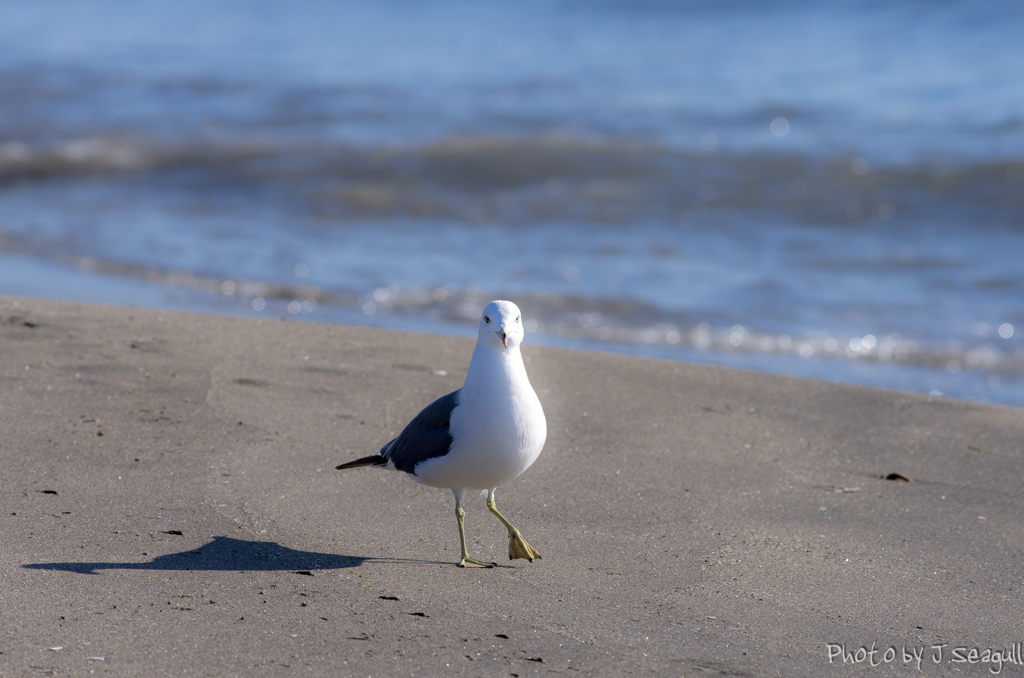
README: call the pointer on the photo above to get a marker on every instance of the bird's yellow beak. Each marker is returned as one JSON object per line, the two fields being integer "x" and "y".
{"x": 503, "y": 334}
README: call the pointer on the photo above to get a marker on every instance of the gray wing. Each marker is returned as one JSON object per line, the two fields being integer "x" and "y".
{"x": 425, "y": 437}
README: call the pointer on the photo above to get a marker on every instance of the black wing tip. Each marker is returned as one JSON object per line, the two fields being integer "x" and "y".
{"x": 372, "y": 460}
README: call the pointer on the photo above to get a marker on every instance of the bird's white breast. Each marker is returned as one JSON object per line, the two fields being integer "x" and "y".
{"x": 498, "y": 429}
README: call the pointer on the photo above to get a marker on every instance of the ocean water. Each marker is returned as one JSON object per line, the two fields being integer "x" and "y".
{"x": 823, "y": 189}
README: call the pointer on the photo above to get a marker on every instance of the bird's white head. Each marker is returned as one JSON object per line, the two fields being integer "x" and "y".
{"x": 501, "y": 326}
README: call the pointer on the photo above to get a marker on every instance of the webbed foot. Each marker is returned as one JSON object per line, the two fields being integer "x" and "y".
{"x": 518, "y": 548}
{"x": 473, "y": 562}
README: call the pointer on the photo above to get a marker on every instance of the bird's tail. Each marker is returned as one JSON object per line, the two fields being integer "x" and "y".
{"x": 372, "y": 460}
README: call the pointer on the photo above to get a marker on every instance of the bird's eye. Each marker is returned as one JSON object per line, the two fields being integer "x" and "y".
{"x": 517, "y": 318}
{"x": 486, "y": 319}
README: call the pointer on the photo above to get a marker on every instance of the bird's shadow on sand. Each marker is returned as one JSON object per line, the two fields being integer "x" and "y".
{"x": 224, "y": 554}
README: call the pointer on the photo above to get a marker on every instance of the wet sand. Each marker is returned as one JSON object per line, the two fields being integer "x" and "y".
{"x": 170, "y": 506}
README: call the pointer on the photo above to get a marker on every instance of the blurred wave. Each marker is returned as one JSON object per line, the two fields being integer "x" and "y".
{"x": 592, "y": 320}
{"x": 507, "y": 180}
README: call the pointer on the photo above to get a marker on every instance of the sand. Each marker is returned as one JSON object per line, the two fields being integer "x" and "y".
{"x": 170, "y": 507}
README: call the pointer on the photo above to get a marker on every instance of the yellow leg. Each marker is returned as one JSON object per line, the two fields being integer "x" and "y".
{"x": 466, "y": 560}
{"x": 517, "y": 546}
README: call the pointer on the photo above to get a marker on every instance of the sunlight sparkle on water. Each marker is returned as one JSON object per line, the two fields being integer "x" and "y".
{"x": 780, "y": 127}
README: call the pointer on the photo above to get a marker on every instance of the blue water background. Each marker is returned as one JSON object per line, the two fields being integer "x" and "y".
{"x": 822, "y": 189}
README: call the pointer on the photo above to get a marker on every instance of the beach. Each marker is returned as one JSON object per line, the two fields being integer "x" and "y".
{"x": 170, "y": 506}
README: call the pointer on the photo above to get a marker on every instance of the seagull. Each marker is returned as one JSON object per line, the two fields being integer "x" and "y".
{"x": 481, "y": 436}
